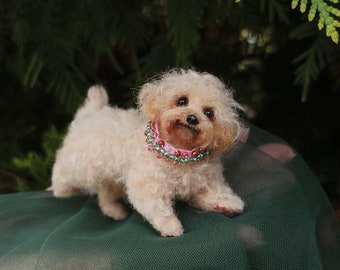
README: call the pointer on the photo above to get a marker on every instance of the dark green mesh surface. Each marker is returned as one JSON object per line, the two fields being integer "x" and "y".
{"x": 288, "y": 224}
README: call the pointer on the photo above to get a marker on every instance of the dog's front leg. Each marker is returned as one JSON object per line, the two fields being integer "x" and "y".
{"x": 219, "y": 197}
{"x": 152, "y": 200}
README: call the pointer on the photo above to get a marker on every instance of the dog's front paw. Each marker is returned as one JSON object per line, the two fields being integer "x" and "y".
{"x": 230, "y": 207}
{"x": 171, "y": 227}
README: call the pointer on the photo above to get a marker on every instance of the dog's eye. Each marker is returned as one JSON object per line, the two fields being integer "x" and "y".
{"x": 182, "y": 101}
{"x": 209, "y": 113}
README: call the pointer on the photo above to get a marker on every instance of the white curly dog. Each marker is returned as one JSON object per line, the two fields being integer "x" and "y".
{"x": 167, "y": 150}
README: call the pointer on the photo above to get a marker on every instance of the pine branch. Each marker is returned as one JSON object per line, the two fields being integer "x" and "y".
{"x": 67, "y": 88}
{"x": 185, "y": 21}
{"x": 33, "y": 70}
{"x": 275, "y": 9}
{"x": 311, "y": 61}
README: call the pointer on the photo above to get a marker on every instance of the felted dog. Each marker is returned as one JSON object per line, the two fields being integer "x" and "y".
{"x": 168, "y": 149}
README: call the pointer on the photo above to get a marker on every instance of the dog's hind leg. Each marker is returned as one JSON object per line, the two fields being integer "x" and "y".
{"x": 63, "y": 190}
{"x": 108, "y": 196}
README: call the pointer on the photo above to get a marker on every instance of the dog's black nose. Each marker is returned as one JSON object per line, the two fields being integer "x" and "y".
{"x": 192, "y": 120}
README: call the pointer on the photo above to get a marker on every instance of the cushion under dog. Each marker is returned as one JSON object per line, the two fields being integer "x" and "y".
{"x": 288, "y": 224}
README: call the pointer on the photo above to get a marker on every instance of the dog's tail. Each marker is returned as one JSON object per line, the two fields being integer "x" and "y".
{"x": 96, "y": 99}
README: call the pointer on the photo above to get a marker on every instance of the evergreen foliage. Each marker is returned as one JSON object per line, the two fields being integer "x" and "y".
{"x": 38, "y": 166}
{"x": 52, "y": 51}
{"x": 325, "y": 12}
{"x": 185, "y": 22}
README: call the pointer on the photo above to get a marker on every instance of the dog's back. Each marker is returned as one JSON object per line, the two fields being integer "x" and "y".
{"x": 98, "y": 145}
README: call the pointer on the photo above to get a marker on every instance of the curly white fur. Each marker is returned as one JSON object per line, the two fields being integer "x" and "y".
{"x": 105, "y": 152}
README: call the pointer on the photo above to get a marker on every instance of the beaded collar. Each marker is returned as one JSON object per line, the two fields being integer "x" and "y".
{"x": 166, "y": 151}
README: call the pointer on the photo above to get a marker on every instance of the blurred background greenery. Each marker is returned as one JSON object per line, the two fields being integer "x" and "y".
{"x": 283, "y": 68}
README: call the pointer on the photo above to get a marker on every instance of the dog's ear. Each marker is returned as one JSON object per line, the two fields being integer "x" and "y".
{"x": 146, "y": 100}
{"x": 228, "y": 135}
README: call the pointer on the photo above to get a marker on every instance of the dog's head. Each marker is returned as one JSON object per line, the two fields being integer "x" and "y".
{"x": 191, "y": 110}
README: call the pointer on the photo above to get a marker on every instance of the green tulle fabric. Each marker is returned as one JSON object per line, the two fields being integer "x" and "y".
{"x": 288, "y": 224}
